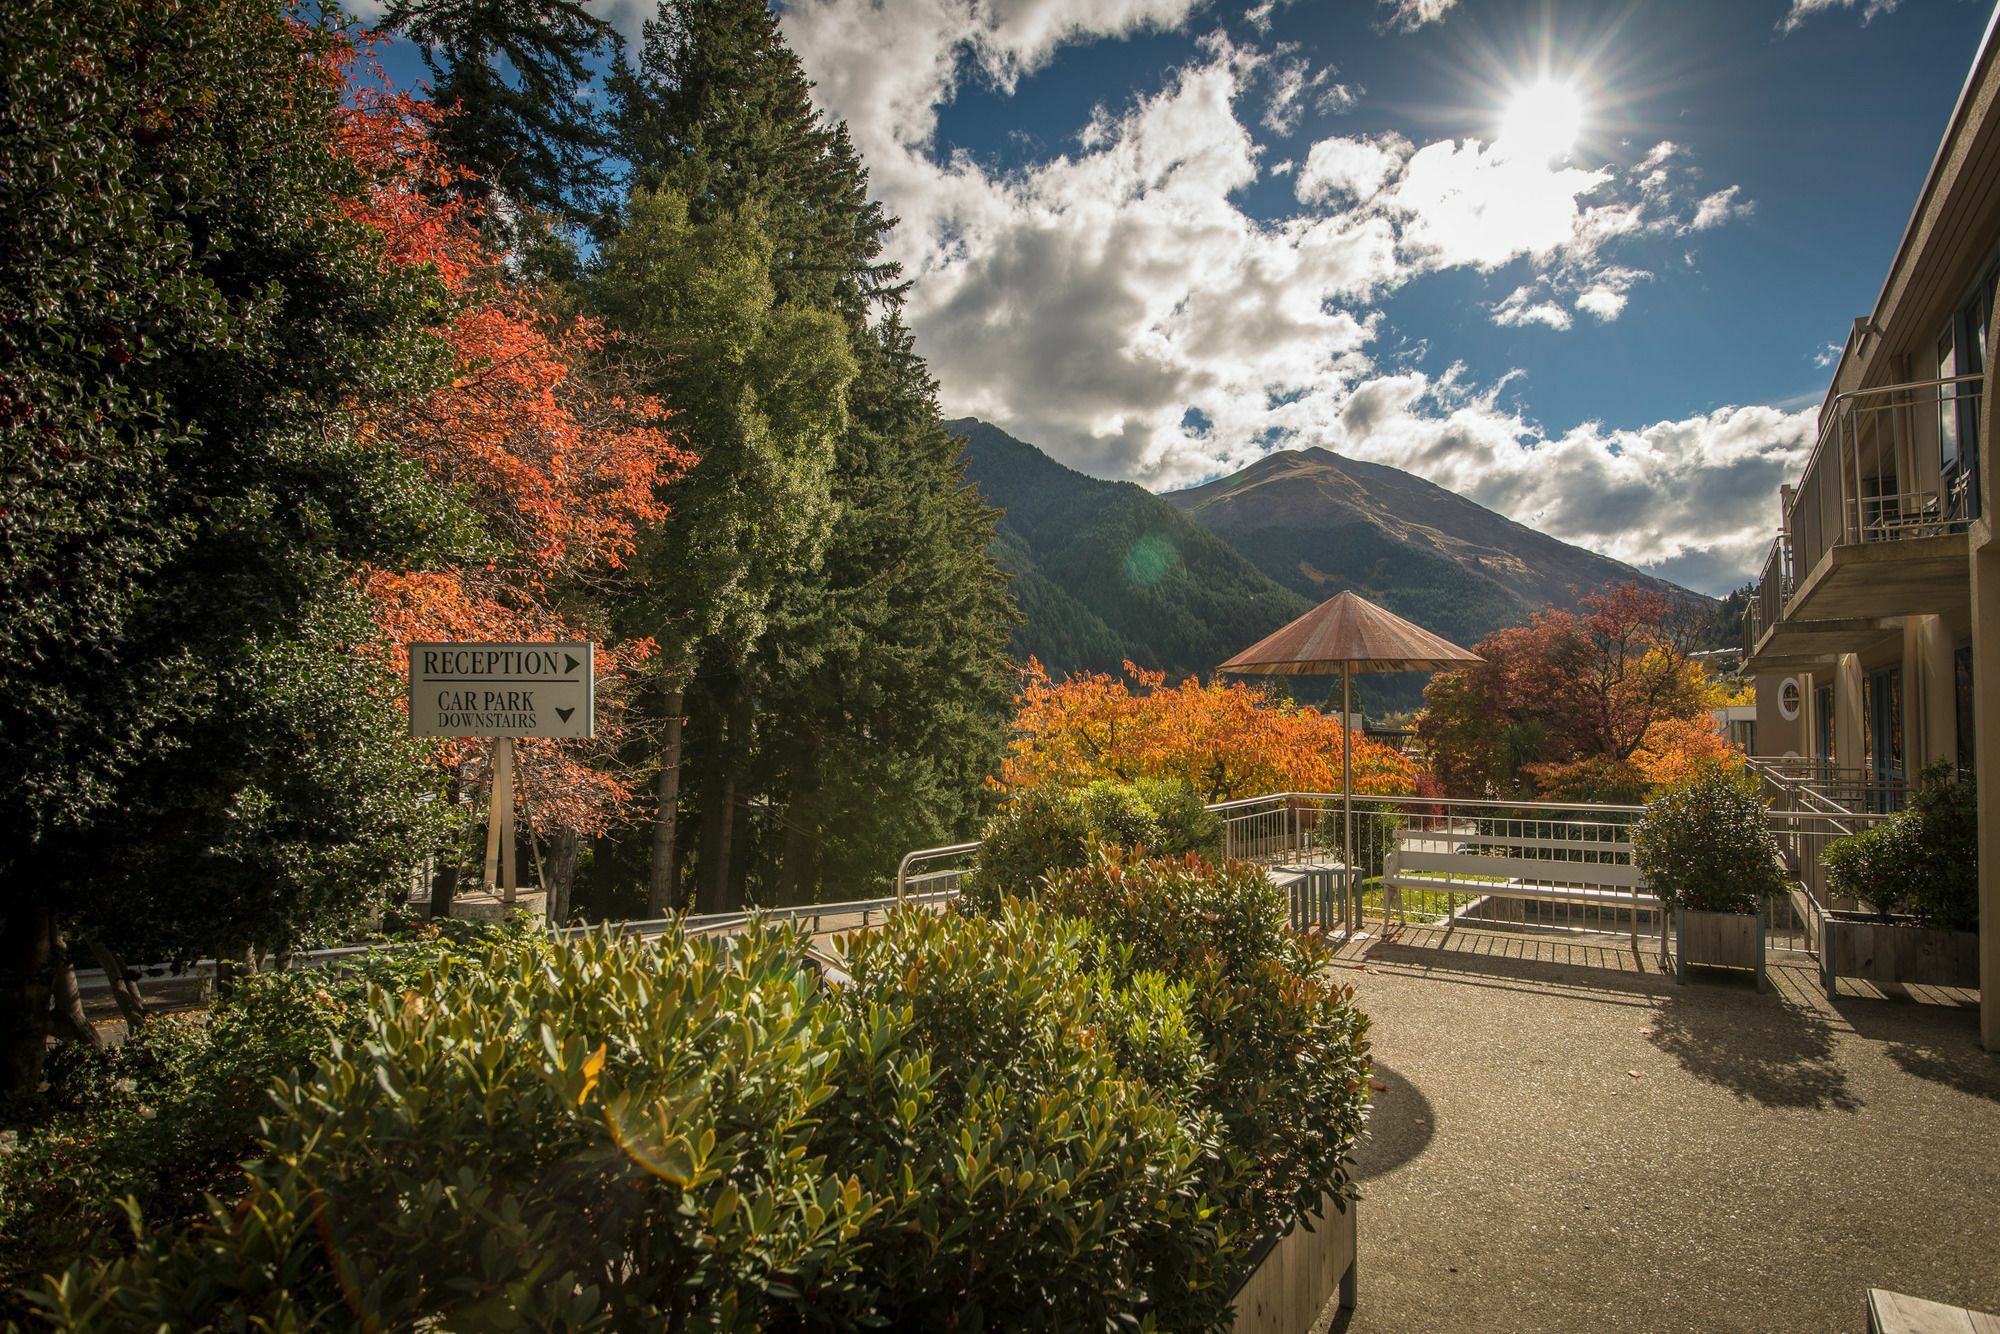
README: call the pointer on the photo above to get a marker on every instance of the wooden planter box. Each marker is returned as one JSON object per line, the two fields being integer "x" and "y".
{"x": 1864, "y": 946}
{"x": 1298, "y": 1274}
{"x": 1718, "y": 940}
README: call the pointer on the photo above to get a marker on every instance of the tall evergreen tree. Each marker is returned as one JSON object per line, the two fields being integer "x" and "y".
{"x": 515, "y": 75}
{"x": 761, "y": 391}
{"x": 720, "y": 110}
{"x": 864, "y": 713}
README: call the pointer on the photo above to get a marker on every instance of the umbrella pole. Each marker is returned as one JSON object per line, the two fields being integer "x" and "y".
{"x": 1351, "y": 898}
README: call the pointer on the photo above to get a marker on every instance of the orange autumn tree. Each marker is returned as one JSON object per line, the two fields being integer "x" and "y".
{"x": 1223, "y": 740}
{"x": 536, "y": 430}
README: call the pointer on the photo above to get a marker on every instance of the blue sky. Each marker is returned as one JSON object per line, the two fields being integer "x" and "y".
{"x": 1579, "y": 261}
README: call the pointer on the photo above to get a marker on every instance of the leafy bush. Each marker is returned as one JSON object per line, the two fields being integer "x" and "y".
{"x": 1706, "y": 844}
{"x": 1287, "y": 1052}
{"x": 1006, "y": 1122}
{"x": 1924, "y": 860}
{"x": 1052, "y": 828}
{"x": 165, "y": 1117}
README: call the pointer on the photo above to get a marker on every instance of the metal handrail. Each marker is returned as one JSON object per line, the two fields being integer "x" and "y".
{"x": 928, "y": 854}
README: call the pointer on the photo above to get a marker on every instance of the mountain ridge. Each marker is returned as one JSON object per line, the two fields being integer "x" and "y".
{"x": 1105, "y": 571}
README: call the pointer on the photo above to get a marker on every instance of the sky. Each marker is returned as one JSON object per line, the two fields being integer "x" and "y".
{"x": 1586, "y": 262}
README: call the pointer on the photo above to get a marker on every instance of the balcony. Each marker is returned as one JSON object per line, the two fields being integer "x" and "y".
{"x": 1876, "y": 526}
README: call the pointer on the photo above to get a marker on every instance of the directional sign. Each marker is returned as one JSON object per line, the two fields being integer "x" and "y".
{"x": 501, "y": 690}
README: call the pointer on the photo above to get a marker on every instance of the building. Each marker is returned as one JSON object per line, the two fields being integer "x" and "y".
{"x": 1875, "y": 635}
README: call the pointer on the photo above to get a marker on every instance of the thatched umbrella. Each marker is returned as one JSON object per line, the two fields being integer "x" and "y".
{"x": 1348, "y": 634}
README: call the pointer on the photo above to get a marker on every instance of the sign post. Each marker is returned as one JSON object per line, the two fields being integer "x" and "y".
{"x": 502, "y": 691}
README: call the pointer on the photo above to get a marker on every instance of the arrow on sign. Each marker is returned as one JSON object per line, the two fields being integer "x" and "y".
{"x": 573, "y": 663}
{"x": 564, "y": 713}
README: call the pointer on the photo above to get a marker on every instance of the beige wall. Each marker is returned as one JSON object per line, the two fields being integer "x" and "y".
{"x": 1777, "y": 735}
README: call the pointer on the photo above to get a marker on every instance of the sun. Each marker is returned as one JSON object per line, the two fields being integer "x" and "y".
{"x": 1541, "y": 120}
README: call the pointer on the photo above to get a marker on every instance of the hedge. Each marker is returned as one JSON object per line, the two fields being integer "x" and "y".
{"x": 1025, "y": 1121}
{"x": 1923, "y": 861}
{"x": 1053, "y": 828}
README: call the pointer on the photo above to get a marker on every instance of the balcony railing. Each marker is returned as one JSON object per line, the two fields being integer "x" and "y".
{"x": 1774, "y": 586}
{"x": 1891, "y": 463}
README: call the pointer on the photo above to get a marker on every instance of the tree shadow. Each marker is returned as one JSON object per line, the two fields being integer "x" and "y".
{"x": 1401, "y": 1125}
{"x": 1763, "y": 1049}
{"x": 1971, "y": 1072}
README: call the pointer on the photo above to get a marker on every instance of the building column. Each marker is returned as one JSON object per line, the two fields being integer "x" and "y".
{"x": 1930, "y": 711}
{"x": 1848, "y": 750}
{"x": 1986, "y": 751}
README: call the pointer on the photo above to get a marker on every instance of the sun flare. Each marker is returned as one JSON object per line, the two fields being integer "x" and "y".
{"x": 1542, "y": 120}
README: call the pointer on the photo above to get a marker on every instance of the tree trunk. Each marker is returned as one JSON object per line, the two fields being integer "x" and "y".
{"x": 231, "y": 966}
{"x": 24, "y": 992}
{"x": 124, "y": 989}
{"x": 444, "y": 876}
{"x": 67, "y": 999}
{"x": 662, "y": 888}
{"x": 716, "y": 832}
{"x": 564, "y": 845}
{"x": 741, "y": 731}
{"x": 800, "y": 873}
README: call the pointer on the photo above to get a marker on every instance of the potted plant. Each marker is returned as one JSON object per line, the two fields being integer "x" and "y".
{"x": 1919, "y": 870}
{"x": 1706, "y": 850}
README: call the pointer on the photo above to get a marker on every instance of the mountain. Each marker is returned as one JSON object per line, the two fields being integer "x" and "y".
{"x": 1105, "y": 571}
{"x": 1317, "y": 523}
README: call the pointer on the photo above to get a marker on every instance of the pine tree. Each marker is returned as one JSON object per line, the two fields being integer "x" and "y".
{"x": 865, "y": 712}
{"x": 720, "y": 111}
{"x": 761, "y": 389}
{"x": 514, "y": 75}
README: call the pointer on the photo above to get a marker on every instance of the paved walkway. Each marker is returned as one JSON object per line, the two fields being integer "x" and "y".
{"x": 1566, "y": 1140}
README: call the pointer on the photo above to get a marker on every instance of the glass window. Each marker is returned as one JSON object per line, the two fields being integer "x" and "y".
{"x": 1961, "y": 680}
{"x": 1947, "y": 367}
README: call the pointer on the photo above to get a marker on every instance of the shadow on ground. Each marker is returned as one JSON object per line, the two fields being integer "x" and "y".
{"x": 1762, "y": 1048}
{"x": 1492, "y": 959}
{"x": 1401, "y": 1125}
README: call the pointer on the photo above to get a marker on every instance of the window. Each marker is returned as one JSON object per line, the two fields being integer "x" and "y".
{"x": 1961, "y": 680}
{"x": 1788, "y": 698}
{"x": 1823, "y": 729}
{"x": 1947, "y": 367}
{"x": 1961, "y": 350}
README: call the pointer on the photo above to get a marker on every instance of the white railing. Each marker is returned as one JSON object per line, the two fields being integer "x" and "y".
{"x": 1854, "y": 487}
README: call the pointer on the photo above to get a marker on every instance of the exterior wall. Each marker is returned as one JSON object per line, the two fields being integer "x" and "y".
{"x": 1779, "y": 735}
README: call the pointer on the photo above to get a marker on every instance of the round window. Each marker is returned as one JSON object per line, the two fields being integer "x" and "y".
{"x": 1788, "y": 698}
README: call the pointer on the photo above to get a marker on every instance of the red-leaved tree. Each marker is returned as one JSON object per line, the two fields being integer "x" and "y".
{"x": 538, "y": 429}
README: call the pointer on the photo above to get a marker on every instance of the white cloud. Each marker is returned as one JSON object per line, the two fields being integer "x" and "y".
{"x": 1520, "y": 309}
{"x": 1828, "y": 355}
{"x": 1090, "y": 300}
{"x": 1409, "y": 15}
{"x": 1802, "y": 10}
{"x": 1720, "y": 207}
{"x": 1351, "y": 168}
{"x": 1297, "y": 87}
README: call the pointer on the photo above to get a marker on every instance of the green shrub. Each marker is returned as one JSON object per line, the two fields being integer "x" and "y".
{"x": 1049, "y": 828}
{"x": 1185, "y": 824}
{"x": 1924, "y": 860}
{"x": 1286, "y": 1050}
{"x": 1706, "y": 845}
{"x": 695, "y": 1134}
{"x": 1062, "y": 1187}
{"x": 166, "y": 1117}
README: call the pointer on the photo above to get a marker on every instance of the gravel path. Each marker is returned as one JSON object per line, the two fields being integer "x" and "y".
{"x": 1566, "y": 1140}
